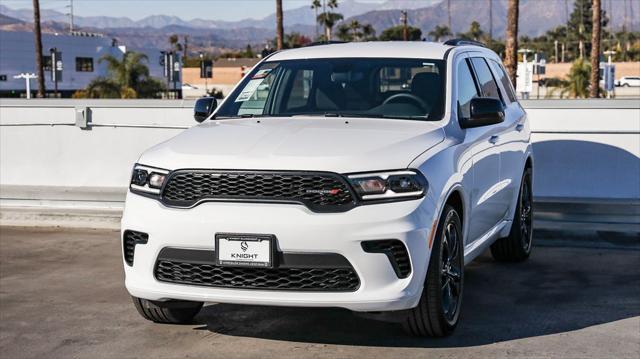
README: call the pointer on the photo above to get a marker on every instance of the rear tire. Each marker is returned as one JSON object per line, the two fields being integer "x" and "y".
{"x": 172, "y": 312}
{"x": 438, "y": 311}
{"x": 517, "y": 246}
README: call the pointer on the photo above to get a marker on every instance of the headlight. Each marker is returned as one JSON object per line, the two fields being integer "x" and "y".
{"x": 391, "y": 185}
{"x": 147, "y": 180}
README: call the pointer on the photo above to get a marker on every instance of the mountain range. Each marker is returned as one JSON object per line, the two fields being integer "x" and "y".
{"x": 536, "y": 17}
{"x": 298, "y": 16}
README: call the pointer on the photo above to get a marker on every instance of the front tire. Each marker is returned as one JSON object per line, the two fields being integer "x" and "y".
{"x": 517, "y": 246}
{"x": 173, "y": 312}
{"x": 438, "y": 311}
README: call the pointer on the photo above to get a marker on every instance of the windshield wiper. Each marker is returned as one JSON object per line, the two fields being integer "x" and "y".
{"x": 250, "y": 115}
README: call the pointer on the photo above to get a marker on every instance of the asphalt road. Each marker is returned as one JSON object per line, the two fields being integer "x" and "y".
{"x": 62, "y": 296}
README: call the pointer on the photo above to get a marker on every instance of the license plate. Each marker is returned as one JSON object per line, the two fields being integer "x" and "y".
{"x": 244, "y": 250}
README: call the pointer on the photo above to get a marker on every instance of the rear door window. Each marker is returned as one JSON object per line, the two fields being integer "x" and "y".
{"x": 504, "y": 79}
{"x": 488, "y": 86}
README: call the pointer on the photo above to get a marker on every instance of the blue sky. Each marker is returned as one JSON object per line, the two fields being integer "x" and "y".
{"x": 186, "y": 9}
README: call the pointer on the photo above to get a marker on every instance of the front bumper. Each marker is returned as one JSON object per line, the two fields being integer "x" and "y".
{"x": 298, "y": 230}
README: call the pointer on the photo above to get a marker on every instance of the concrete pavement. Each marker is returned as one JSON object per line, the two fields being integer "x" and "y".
{"x": 62, "y": 296}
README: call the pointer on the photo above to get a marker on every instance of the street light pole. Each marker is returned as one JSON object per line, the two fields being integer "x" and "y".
{"x": 54, "y": 70}
{"x": 27, "y": 78}
{"x": 206, "y": 75}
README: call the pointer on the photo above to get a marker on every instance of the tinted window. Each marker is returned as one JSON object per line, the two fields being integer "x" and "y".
{"x": 46, "y": 63}
{"x": 466, "y": 89}
{"x": 254, "y": 96}
{"x": 84, "y": 64}
{"x": 300, "y": 90}
{"x": 504, "y": 79}
{"x": 488, "y": 86}
{"x": 367, "y": 87}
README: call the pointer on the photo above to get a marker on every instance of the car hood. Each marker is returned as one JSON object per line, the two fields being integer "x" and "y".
{"x": 297, "y": 143}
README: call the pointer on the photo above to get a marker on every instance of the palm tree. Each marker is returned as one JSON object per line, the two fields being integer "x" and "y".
{"x": 475, "y": 32}
{"x": 577, "y": 85}
{"x": 368, "y": 31}
{"x": 440, "y": 32}
{"x": 511, "y": 48}
{"x": 315, "y": 5}
{"x": 128, "y": 78}
{"x": 174, "y": 42}
{"x": 38, "y": 35}
{"x": 355, "y": 31}
{"x": 595, "y": 50}
{"x": 279, "y": 25}
{"x": 329, "y": 18}
{"x": 129, "y": 71}
{"x": 355, "y": 26}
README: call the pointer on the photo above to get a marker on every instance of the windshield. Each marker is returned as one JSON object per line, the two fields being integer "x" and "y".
{"x": 353, "y": 87}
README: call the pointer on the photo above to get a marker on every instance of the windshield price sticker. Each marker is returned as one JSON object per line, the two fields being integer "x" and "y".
{"x": 249, "y": 90}
{"x": 261, "y": 74}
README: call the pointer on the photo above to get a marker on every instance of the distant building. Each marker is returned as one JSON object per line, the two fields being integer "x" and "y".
{"x": 226, "y": 74}
{"x": 81, "y": 53}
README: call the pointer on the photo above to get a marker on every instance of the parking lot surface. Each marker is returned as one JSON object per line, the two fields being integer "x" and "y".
{"x": 62, "y": 296}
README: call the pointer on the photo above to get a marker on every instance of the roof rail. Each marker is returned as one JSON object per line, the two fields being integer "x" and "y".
{"x": 461, "y": 42}
{"x": 318, "y": 43}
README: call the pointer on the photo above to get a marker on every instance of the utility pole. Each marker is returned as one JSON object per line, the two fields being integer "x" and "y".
{"x": 562, "y": 56}
{"x": 185, "y": 49}
{"x": 70, "y": 6}
{"x": 449, "y": 15}
{"x": 405, "y": 29}
{"x": 555, "y": 48}
{"x": 38, "y": 35}
{"x": 624, "y": 18}
{"x": 595, "y": 50}
{"x": 490, "y": 19}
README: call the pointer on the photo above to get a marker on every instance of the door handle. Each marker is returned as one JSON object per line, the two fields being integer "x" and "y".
{"x": 519, "y": 127}
{"x": 494, "y": 139}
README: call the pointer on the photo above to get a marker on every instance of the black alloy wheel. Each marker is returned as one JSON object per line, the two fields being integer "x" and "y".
{"x": 517, "y": 246}
{"x": 438, "y": 310}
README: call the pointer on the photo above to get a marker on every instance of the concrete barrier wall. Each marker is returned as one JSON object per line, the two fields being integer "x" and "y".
{"x": 587, "y": 151}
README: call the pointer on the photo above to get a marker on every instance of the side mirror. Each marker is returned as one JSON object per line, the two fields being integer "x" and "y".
{"x": 484, "y": 112}
{"x": 204, "y": 108}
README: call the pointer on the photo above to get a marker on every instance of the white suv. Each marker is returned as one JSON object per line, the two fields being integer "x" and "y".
{"x": 359, "y": 175}
{"x": 628, "y": 81}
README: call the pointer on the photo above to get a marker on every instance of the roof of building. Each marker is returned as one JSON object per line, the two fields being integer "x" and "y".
{"x": 404, "y": 49}
{"x": 236, "y": 62}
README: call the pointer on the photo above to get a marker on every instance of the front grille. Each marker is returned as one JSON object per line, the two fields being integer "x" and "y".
{"x": 395, "y": 251}
{"x": 319, "y": 191}
{"x": 129, "y": 241}
{"x": 182, "y": 266}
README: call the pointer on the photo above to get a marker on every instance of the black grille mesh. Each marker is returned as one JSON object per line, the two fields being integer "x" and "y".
{"x": 129, "y": 241}
{"x": 312, "y": 279}
{"x": 318, "y": 191}
{"x": 395, "y": 251}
